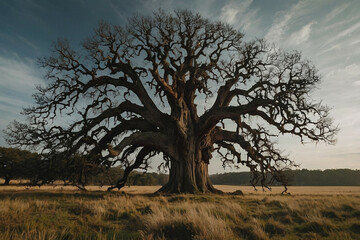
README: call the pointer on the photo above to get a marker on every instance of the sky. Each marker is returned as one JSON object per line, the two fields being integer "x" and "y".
{"x": 326, "y": 32}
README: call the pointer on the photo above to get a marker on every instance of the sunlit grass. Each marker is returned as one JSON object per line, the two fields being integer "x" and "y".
{"x": 63, "y": 214}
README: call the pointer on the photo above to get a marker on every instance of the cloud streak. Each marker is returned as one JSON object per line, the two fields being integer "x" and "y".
{"x": 242, "y": 16}
{"x": 283, "y": 20}
{"x": 231, "y": 12}
{"x": 302, "y": 35}
{"x": 18, "y": 74}
{"x": 349, "y": 32}
{"x": 18, "y": 78}
{"x": 336, "y": 12}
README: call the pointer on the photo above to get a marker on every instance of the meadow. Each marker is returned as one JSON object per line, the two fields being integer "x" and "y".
{"x": 58, "y": 212}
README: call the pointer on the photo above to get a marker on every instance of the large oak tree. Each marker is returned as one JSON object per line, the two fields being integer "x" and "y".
{"x": 180, "y": 86}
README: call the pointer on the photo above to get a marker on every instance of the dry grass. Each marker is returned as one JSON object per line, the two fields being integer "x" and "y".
{"x": 294, "y": 190}
{"x": 55, "y": 213}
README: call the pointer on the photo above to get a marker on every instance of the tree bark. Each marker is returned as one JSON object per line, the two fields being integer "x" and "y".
{"x": 189, "y": 174}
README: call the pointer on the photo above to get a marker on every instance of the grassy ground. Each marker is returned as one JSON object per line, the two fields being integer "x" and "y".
{"x": 55, "y": 213}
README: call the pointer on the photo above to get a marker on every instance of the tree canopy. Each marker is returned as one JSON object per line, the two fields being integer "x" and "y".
{"x": 177, "y": 85}
{"x": 16, "y": 163}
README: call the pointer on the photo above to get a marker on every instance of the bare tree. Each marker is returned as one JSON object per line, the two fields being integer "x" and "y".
{"x": 181, "y": 86}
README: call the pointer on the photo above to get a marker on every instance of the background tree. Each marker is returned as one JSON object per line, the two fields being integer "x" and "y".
{"x": 59, "y": 166}
{"x": 303, "y": 177}
{"x": 17, "y": 164}
{"x": 177, "y": 85}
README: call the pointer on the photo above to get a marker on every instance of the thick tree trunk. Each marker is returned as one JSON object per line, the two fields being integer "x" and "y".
{"x": 189, "y": 174}
{"x": 188, "y": 170}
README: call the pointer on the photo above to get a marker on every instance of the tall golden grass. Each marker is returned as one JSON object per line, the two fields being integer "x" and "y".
{"x": 55, "y": 213}
{"x": 294, "y": 190}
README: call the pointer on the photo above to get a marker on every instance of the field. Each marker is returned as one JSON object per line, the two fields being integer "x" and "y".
{"x": 66, "y": 213}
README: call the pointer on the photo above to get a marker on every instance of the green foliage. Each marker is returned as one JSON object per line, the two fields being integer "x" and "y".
{"x": 16, "y": 163}
{"x": 147, "y": 179}
{"x": 240, "y": 178}
{"x": 112, "y": 175}
{"x": 304, "y": 177}
{"x": 72, "y": 170}
{"x": 328, "y": 177}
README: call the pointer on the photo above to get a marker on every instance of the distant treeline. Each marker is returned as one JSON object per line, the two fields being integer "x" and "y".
{"x": 304, "y": 177}
{"x": 22, "y": 164}
{"x": 110, "y": 177}
{"x": 74, "y": 170}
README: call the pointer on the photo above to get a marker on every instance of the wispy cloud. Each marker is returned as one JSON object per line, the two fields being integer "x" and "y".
{"x": 342, "y": 94}
{"x": 282, "y": 22}
{"x": 18, "y": 77}
{"x": 349, "y": 74}
{"x": 18, "y": 74}
{"x": 331, "y": 40}
{"x": 302, "y": 35}
{"x": 12, "y": 105}
{"x": 276, "y": 31}
{"x": 231, "y": 11}
{"x": 242, "y": 16}
{"x": 336, "y": 12}
{"x": 28, "y": 42}
{"x": 351, "y": 31}
{"x": 338, "y": 25}
{"x": 290, "y": 20}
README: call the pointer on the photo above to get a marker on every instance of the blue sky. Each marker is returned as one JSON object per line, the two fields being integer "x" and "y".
{"x": 327, "y": 32}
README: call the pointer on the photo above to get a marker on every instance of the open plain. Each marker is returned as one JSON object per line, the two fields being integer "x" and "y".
{"x": 55, "y": 212}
